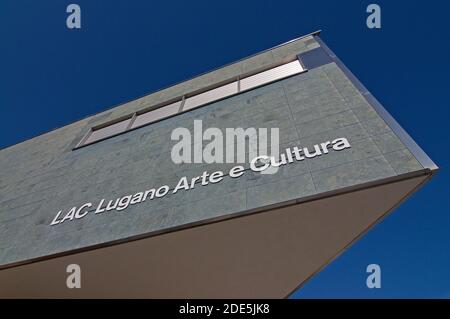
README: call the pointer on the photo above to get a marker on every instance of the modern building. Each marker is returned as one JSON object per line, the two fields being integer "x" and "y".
{"x": 102, "y": 192}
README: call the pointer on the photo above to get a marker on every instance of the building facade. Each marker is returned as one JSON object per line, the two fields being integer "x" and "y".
{"x": 102, "y": 192}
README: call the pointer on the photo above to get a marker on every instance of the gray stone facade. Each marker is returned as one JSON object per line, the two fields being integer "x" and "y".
{"x": 43, "y": 175}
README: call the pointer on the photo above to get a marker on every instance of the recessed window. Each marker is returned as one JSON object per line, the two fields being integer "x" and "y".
{"x": 271, "y": 75}
{"x": 156, "y": 115}
{"x": 107, "y": 131}
{"x": 211, "y": 95}
{"x": 137, "y": 120}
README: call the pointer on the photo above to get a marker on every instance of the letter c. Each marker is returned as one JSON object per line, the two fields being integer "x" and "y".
{"x": 78, "y": 214}
{"x": 253, "y": 166}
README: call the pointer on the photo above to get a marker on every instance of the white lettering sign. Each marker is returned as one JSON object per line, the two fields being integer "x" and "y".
{"x": 257, "y": 164}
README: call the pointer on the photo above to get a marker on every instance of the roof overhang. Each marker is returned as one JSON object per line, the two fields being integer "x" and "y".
{"x": 266, "y": 254}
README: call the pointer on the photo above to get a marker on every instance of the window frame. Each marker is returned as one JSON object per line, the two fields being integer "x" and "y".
{"x": 182, "y": 99}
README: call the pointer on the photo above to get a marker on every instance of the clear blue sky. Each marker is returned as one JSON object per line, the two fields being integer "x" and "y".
{"x": 51, "y": 76}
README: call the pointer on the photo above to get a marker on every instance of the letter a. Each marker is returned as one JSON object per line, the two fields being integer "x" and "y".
{"x": 74, "y": 279}
{"x": 374, "y": 19}
{"x": 73, "y": 21}
{"x": 181, "y": 151}
{"x": 374, "y": 279}
{"x": 182, "y": 184}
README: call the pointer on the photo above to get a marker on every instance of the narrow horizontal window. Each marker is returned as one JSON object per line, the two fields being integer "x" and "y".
{"x": 268, "y": 76}
{"x": 157, "y": 114}
{"x": 107, "y": 131}
{"x": 194, "y": 101}
{"x": 211, "y": 95}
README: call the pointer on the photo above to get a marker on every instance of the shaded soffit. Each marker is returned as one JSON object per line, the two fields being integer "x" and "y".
{"x": 262, "y": 255}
